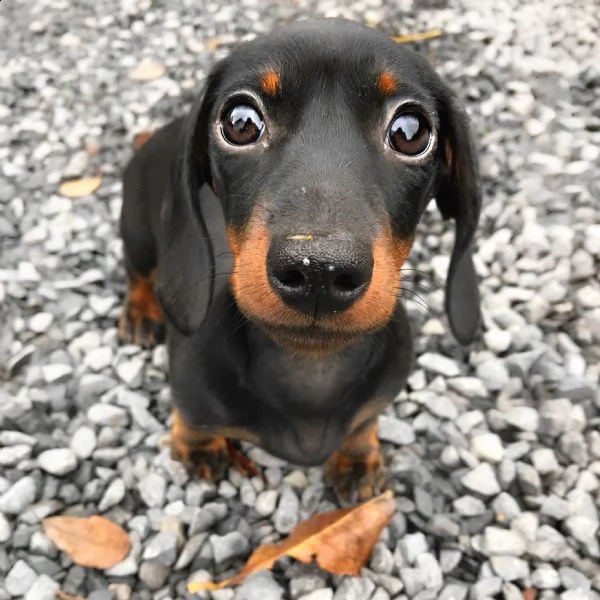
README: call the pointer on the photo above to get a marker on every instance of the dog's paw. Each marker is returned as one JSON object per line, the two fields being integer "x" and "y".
{"x": 141, "y": 320}
{"x": 141, "y": 331}
{"x": 209, "y": 458}
{"x": 355, "y": 478}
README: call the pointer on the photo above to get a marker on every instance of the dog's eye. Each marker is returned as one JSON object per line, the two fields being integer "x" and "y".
{"x": 242, "y": 125}
{"x": 409, "y": 134}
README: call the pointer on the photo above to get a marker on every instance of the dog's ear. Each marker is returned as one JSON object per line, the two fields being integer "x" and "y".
{"x": 459, "y": 197}
{"x": 187, "y": 258}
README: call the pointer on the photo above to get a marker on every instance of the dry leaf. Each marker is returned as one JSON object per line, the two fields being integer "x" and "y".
{"x": 148, "y": 70}
{"x": 212, "y": 43}
{"x": 64, "y": 596}
{"x": 77, "y": 188}
{"x": 89, "y": 541}
{"x": 417, "y": 37}
{"x": 92, "y": 148}
{"x": 341, "y": 541}
{"x": 219, "y": 41}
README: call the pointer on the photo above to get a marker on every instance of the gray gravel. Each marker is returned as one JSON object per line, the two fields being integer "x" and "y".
{"x": 494, "y": 452}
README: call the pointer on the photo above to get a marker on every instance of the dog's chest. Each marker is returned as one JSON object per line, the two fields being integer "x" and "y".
{"x": 307, "y": 385}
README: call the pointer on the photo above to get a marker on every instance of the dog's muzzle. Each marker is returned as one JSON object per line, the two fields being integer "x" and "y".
{"x": 319, "y": 275}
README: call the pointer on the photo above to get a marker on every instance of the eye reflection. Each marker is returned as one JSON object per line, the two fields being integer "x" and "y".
{"x": 409, "y": 124}
{"x": 409, "y": 134}
{"x": 242, "y": 125}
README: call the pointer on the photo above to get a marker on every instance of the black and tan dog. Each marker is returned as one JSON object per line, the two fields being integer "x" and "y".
{"x": 269, "y": 228}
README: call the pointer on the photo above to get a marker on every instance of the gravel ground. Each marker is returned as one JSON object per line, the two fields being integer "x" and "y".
{"x": 494, "y": 453}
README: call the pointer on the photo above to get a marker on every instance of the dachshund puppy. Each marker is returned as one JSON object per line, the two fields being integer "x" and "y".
{"x": 267, "y": 230}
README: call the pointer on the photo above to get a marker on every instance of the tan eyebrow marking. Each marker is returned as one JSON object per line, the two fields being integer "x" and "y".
{"x": 270, "y": 83}
{"x": 387, "y": 83}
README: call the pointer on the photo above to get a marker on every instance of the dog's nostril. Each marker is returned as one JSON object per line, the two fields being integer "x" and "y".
{"x": 346, "y": 282}
{"x": 292, "y": 279}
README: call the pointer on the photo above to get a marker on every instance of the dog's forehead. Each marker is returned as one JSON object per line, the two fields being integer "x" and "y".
{"x": 332, "y": 49}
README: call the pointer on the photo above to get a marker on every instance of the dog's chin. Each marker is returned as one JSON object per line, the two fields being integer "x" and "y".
{"x": 312, "y": 341}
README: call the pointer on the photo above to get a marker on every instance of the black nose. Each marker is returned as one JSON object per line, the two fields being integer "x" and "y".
{"x": 319, "y": 275}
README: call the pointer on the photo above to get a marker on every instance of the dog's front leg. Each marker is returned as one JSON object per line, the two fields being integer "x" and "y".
{"x": 208, "y": 455}
{"x": 356, "y": 471}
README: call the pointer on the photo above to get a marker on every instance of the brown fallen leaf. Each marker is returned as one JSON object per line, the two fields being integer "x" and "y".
{"x": 148, "y": 70}
{"x": 341, "y": 541}
{"x": 77, "y": 188}
{"x": 417, "y": 37}
{"x": 225, "y": 39}
{"x": 212, "y": 43}
{"x": 529, "y": 594}
{"x": 64, "y": 596}
{"x": 89, "y": 541}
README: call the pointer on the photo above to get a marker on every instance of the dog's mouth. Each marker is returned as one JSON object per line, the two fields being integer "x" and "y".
{"x": 317, "y": 339}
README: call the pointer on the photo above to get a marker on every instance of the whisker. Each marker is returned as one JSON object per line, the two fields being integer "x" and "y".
{"x": 424, "y": 273}
{"x": 425, "y": 287}
{"x": 420, "y": 300}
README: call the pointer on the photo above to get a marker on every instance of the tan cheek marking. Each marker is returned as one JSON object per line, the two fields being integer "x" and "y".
{"x": 402, "y": 248}
{"x": 270, "y": 83}
{"x": 234, "y": 240}
{"x": 249, "y": 281}
{"x": 377, "y": 306}
{"x": 387, "y": 83}
{"x": 257, "y": 300}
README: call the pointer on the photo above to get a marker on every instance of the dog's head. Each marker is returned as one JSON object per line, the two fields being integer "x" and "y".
{"x": 324, "y": 143}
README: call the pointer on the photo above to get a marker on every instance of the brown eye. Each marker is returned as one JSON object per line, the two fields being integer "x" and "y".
{"x": 409, "y": 134}
{"x": 242, "y": 125}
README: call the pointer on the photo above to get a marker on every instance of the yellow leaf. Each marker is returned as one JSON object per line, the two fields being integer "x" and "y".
{"x": 212, "y": 43}
{"x": 148, "y": 70}
{"x": 417, "y": 37}
{"x": 92, "y": 541}
{"x": 341, "y": 541}
{"x": 77, "y": 188}
{"x": 64, "y": 596}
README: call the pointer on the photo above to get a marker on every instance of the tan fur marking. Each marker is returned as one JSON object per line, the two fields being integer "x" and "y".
{"x": 357, "y": 467}
{"x": 371, "y": 409}
{"x": 141, "y": 138}
{"x": 141, "y": 301}
{"x": 190, "y": 435}
{"x": 270, "y": 83}
{"x": 448, "y": 154}
{"x": 387, "y": 83}
{"x": 210, "y": 452}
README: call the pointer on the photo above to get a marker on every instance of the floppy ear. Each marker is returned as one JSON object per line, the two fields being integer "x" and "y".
{"x": 459, "y": 197}
{"x": 187, "y": 257}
